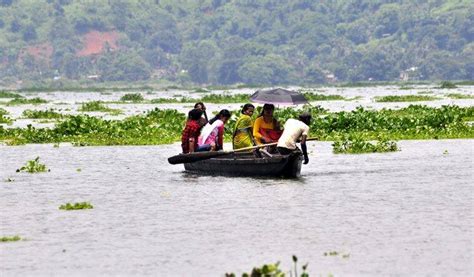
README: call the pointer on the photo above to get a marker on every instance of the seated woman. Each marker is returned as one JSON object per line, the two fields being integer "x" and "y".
{"x": 203, "y": 120}
{"x": 212, "y": 134}
{"x": 266, "y": 128}
{"x": 243, "y": 136}
{"x": 190, "y": 135}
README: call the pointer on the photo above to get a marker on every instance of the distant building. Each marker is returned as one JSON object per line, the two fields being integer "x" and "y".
{"x": 329, "y": 76}
{"x": 93, "y": 77}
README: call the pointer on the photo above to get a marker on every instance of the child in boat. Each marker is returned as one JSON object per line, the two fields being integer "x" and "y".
{"x": 243, "y": 136}
{"x": 266, "y": 128}
{"x": 295, "y": 130}
{"x": 212, "y": 134}
{"x": 190, "y": 135}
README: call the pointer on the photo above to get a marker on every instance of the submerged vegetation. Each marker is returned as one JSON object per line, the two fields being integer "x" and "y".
{"x": 405, "y": 98}
{"x": 10, "y": 239}
{"x": 33, "y": 166}
{"x": 165, "y": 126}
{"x": 76, "y": 206}
{"x": 357, "y": 145}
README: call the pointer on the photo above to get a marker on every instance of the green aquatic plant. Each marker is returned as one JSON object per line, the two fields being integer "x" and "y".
{"x": 8, "y": 94}
{"x": 3, "y": 116}
{"x": 24, "y": 101}
{"x": 460, "y": 96}
{"x": 447, "y": 85}
{"x": 331, "y": 253}
{"x": 133, "y": 97}
{"x": 310, "y": 96}
{"x": 165, "y": 126}
{"x": 33, "y": 166}
{"x": 76, "y": 206}
{"x": 273, "y": 270}
{"x": 357, "y": 145}
{"x": 47, "y": 114}
{"x": 10, "y": 239}
{"x": 405, "y": 98}
{"x": 225, "y": 98}
{"x": 97, "y": 106}
{"x": 201, "y": 90}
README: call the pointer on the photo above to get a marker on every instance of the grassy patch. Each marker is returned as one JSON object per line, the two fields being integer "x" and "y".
{"x": 33, "y": 166}
{"x": 7, "y": 94}
{"x": 460, "y": 96}
{"x": 46, "y": 114}
{"x": 97, "y": 106}
{"x": 357, "y": 145}
{"x": 76, "y": 206}
{"x": 447, "y": 85}
{"x": 404, "y": 98}
{"x": 3, "y": 116}
{"x": 225, "y": 98}
{"x": 10, "y": 239}
{"x": 310, "y": 96}
{"x": 132, "y": 97}
{"x": 24, "y": 101}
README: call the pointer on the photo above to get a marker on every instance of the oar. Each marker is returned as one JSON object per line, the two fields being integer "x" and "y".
{"x": 199, "y": 156}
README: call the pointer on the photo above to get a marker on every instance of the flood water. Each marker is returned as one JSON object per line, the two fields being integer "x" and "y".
{"x": 403, "y": 213}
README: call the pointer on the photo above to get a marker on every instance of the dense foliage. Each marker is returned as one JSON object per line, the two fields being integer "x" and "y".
{"x": 227, "y": 42}
{"x": 165, "y": 126}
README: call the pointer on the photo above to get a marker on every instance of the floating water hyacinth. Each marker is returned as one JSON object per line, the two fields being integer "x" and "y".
{"x": 76, "y": 206}
{"x": 33, "y": 166}
{"x": 10, "y": 239}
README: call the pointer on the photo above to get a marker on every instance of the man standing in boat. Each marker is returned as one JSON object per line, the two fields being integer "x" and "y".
{"x": 294, "y": 131}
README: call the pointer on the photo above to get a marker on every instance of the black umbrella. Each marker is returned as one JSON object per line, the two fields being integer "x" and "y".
{"x": 278, "y": 96}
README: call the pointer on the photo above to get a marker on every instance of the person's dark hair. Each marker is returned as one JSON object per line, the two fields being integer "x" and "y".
{"x": 199, "y": 104}
{"x": 305, "y": 117}
{"x": 195, "y": 114}
{"x": 267, "y": 107}
{"x": 246, "y": 107}
{"x": 222, "y": 113}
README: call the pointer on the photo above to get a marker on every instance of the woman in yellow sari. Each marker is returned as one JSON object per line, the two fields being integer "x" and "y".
{"x": 243, "y": 128}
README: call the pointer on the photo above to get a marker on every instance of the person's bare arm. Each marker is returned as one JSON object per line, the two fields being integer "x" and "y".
{"x": 304, "y": 149}
{"x": 191, "y": 145}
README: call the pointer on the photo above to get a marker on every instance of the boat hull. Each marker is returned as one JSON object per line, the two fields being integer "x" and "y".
{"x": 288, "y": 166}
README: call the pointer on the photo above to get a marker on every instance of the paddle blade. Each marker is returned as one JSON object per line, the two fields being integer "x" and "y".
{"x": 196, "y": 156}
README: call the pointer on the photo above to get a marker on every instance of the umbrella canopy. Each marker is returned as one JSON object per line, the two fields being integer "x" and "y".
{"x": 278, "y": 96}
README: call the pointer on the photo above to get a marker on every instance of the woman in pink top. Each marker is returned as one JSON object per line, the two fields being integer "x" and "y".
{"x": 212, "y": 134}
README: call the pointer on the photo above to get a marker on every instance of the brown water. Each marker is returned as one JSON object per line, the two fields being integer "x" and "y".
{"x": 403, "y": 213}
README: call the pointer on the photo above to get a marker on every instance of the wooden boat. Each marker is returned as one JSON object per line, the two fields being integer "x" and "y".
{"x": 246, "y": 164}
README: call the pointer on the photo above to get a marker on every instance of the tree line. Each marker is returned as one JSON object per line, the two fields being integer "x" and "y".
{"x": 240, "y": 41}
